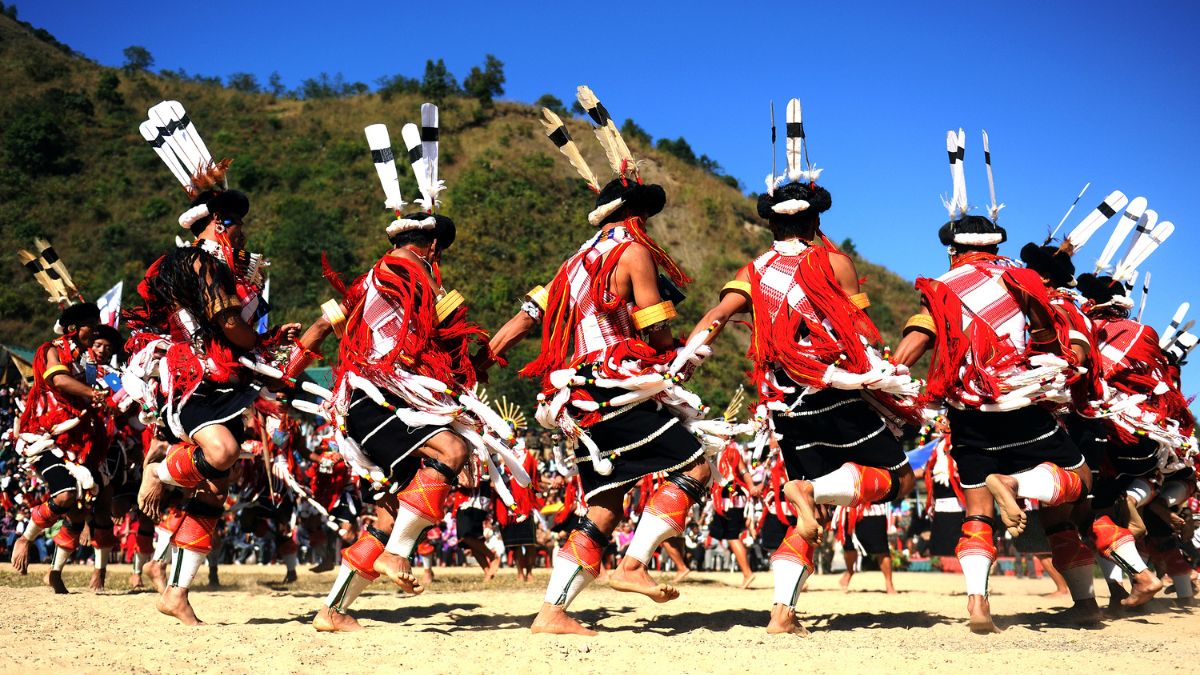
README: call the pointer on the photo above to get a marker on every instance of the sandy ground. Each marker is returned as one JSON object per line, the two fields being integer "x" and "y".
{"x": 460, "y": 625}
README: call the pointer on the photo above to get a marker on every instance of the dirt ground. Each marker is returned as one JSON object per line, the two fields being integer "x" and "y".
{"x": 461, "y": 625}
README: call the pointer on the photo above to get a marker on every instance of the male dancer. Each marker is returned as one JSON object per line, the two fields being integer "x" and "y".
{"x": 999, "y": 348}
{"x": 197, "y": 321}
{"x": 606, "y": 369}
{"x": 403, "y": 383}
{"x": 730, "y": 497}
{"x": 62, "y": 436}
{"x": 813, "y": 366}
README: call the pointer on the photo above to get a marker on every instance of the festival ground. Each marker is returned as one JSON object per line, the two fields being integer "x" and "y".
{"x": 462, "y": 625}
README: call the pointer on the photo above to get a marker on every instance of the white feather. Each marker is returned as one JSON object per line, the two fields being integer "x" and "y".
{"x": 794, "y": 149}
{"x": 1176, "y": 321}
{"x": 1132, "y": 217}
{"x": 379, "y": 141}
{"x": 1127, "y": 268}
{"x": 1081, "y": 233}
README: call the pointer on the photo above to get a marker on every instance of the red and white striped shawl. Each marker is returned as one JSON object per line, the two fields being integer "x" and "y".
{"x": 986, "y": 298}
{"x": 598, "y": 328}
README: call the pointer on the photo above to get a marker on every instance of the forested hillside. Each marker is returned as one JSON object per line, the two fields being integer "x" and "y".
{"x": 75, "y": 170}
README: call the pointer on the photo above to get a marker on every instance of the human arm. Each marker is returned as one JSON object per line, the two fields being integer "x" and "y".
{"x": 637, "y": 278}
{"x": 734, "y": 300}
{"x": 58, "y": 376}
{"x": 919, "y": 336}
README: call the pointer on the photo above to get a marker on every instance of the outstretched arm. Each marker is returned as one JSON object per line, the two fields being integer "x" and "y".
{"x": 512, "y": 333}
{"x": 733, "y": 301}
{"x": 60, "y": 380}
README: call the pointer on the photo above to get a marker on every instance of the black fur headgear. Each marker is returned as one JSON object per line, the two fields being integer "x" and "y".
{"x": 972, "y": 231}
{"x": 794, "y": 203}
{"x": 645, "y": 199}
{"x": 1101, "y": 290}
{"x": 231, "y": 204}
{"x": 1051, "y": 262}
{"x": 79, "y": 314}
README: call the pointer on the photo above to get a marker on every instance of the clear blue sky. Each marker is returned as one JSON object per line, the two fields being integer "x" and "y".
{"x": 1099, "y": 91}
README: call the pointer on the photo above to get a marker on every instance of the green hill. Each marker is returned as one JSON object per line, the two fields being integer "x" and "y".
{"x": 76, "y": 170}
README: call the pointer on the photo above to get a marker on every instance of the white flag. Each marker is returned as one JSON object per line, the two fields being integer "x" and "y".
{"x": 110, "y": 305}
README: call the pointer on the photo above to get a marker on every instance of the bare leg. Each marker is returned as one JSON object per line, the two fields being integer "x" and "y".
{"x": 885, "y": 566}
{"x": 1060, "y": 582}
{"x": 851, "y": 557}
{"x": 1004, "y": 490}
{"x": 743, "y": 562}
{"x": 676, "y": 556}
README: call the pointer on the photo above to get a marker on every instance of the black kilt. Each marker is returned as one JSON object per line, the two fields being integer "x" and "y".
{"x": 215, "y": 404}
{"x": 983, "y": 443}
{"x": 469, "y": 522}
{"x": 870, "y": 535}
{"x": 728, "y": 526}
{"x": 642, "y": 440}
{"x": 832, "y": 427}
{"x": 386, "y": 440}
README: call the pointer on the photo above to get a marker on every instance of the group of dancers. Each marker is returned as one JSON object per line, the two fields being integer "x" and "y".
{"x": 1048, "y": 389}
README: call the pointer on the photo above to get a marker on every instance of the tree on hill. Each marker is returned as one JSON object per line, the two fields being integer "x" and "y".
{"x": 486, "y": 84}
{"x": 108, "y": 92}
{"x": 678, "y": 147}
{"x": 393, "y": 85}
{"x": 631, "y": 131}
{"x": 553, "y": 103}
{"x": 244, "y": 82}
{"x": 439, "y": 83}
{"x": 137, "y": 59}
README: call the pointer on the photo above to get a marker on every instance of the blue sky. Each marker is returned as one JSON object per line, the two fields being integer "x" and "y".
{"x": 1069, "y": 93}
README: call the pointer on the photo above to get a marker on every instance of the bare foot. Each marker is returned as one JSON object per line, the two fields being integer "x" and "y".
{"x": 97, "y": 581}
{"x": 844, "y": 582}
{"x": 554, "y": 620}
{"x": 20, "y": 556}
{"x": 980, "y": 612}
{"x": 681, "y": 575}
{"x": 891, "y": 590}
{"x": 632, "y": 577}
{"x": 1004, "y": 490}
{"x": 427, "y": 577}
{"x": 149, "y": 497}
{"x": 783, "y": 622}
{"x": 174, "y": 602}
{"x": 158, "y": 576}
{"x": 135, "y": 582}
{"x": 1057, "y": 593}
{"x": 1145, "y": 586}
{"x": 1083, "y": 613}
{"x": 329, "y": 620}
{"x": 54, "y": 580}
{"x": 399, "y": 571}
{"x": 746, "y": 582}
{"x": 490, "y": 570}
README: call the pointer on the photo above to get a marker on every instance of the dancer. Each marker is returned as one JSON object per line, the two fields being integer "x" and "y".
{"x": 200, "y": 305}
{"x": 730, "y": 496}
{"x": 403, "y": 398}
{"x": 608, "y": 368}
{"x": 821, "y": 383}
{"x": 999, "y": 348}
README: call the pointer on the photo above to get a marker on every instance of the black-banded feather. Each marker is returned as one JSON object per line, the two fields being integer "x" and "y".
{"x": 557, "y": 132}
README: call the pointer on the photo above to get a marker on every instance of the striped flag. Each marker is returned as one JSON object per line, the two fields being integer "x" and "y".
{"x": 110, "y": 305}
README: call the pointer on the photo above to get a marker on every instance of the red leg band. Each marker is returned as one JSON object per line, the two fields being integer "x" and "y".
{"x": 583, "y": 551}
{"x": 66, "y": 539}
{"x": 426, "y": 494}
{"x": 1068, "y": 551}
{"x": 195, "y": 533}
{"x": 873, "y": 485}
{"x": 102, "y": 537}
{"x": 362, "y": 554}
{"x": 671, "y": 504}
{"x": 1067, "y": 485}
{"x": 1109, "y": 535}
{"x": 145, "y": 544}
{"x": 976, "y": 539}
{"x": 795, "y": 548}
{"x": 42, "y": 516}
{"x": 181, "y": 464}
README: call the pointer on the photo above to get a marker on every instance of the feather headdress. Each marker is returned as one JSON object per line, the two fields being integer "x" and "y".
{"x": 964, "y": 229}
{"x": 50, "y": 273}
{"x": 170, "y": 132}
{"x": 422, "y": 146}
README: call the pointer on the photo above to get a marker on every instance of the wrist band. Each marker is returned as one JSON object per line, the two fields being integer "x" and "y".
{"x": 54, "y": 370}
{"x": 539, "y": 296}
{"x": 861, "y": 300}
{"x": 736, "y": 286}
{"x": 921, "y": 322}
{"x": 449, "y": 302}
{"x": 663, "y": 311}
{"x": 332, "y": 311}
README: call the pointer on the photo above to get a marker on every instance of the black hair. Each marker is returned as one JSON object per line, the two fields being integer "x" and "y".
{"x": 193, "y": 279}
{"x": 642, "y": 199}
{"x": 802, "y": 224}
